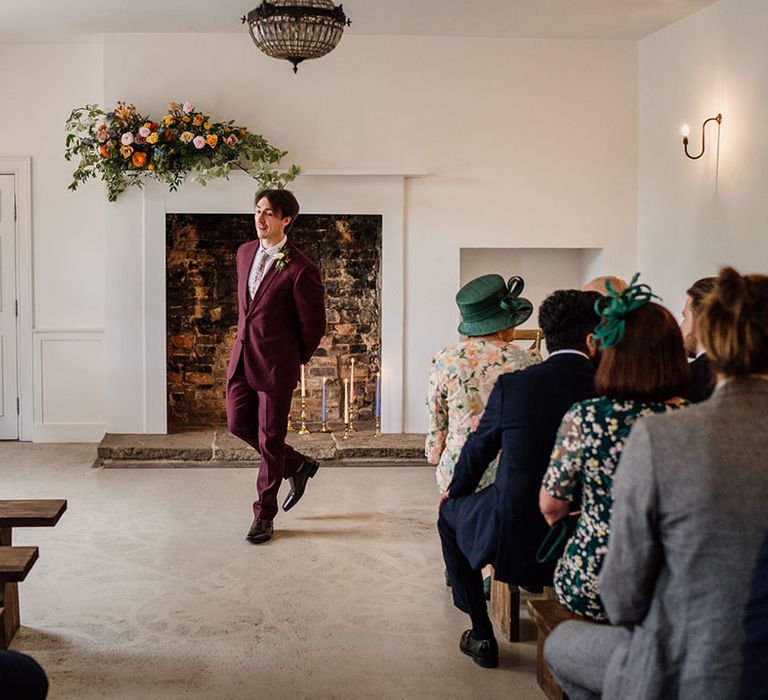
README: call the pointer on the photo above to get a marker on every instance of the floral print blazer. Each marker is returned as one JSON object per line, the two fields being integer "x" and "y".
{"x": 461, "y": 378}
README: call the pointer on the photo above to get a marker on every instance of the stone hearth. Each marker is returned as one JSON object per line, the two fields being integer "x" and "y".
{"x": 215, "y": 447}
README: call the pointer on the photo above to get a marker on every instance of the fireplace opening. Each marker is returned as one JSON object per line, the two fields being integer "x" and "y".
{"x": 201, "y": 311}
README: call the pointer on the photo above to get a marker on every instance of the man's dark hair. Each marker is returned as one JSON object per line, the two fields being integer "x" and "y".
{"x": 567, "y": 317}
{"x": 283, "y": 203}
{"x": 698, "y": 290}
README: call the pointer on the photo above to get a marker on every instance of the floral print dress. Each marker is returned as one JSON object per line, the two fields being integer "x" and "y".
{"x": 584, "y": 460}
{"x": 461, "y": 378}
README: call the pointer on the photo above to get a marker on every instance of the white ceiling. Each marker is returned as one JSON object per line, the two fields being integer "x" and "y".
{"x": 51, "y": 21}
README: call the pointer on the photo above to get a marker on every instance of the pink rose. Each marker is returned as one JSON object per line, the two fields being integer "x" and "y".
{"x": 199, "y": 142}
{"x": 102, "y": 133}
{"x": 140, "y": 140}
{"x": 187, "y": 136}
{"x": 187, "y": 107}
{"x": 231, "y": 140}
{"x": 144, "y": 132}
{"x": 127, "y": 138}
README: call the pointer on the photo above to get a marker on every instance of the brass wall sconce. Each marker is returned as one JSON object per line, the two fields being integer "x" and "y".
{"x": 685, "y": 131}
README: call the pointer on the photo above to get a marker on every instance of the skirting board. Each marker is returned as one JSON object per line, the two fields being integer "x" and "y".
{"x": 68, "y": 432}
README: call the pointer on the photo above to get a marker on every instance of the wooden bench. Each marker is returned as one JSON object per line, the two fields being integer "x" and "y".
{"x": 548, "y": 614}
{"x": 505, "y": 609}
{"x": 15, "y": 564}
{"x": 20, "y": 513}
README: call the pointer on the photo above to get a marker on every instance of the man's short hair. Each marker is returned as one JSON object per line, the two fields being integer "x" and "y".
{"x": 283, "y": 202}
{"x": 698, "y": 290}
{"x": 567, "y": 317}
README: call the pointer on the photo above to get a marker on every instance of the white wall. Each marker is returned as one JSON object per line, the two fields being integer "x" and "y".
{"x": 695, "y": 216}
{"x": 526, "y": 143}
{"x": 39, "y": 86}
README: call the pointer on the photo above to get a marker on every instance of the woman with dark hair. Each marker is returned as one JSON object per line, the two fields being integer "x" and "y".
{"x": 690, "y": 512}
{"x": 643, "y": 370}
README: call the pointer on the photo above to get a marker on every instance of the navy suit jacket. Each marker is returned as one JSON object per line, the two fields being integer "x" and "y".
{"x": 502, "y": 523}
{"x": 702, "y": 380}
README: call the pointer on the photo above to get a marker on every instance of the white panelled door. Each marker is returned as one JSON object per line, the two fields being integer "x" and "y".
{"x": 9, "y": 417}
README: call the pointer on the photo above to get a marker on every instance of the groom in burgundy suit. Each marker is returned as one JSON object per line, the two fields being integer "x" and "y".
{"x": 281, "y": 321}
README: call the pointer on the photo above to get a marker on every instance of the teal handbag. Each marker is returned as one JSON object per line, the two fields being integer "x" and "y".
{"x": 553, "y": 544}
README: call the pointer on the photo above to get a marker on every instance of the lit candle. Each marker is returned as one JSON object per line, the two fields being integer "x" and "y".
{"x": 352, "y": 382}
{"x": 346, "y": 401}
{"x": 378, "y": 395}
{"x": 303, "y": 384}
{"x": 325, "y": 417}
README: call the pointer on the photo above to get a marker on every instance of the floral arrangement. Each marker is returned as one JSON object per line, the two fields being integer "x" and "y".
{"x": 123, "y": 146}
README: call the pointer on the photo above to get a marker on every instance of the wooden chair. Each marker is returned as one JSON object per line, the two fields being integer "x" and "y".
{"x": 536, "y": 335}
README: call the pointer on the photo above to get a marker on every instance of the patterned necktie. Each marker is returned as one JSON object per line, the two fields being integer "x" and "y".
{"x": 257, "y": 272}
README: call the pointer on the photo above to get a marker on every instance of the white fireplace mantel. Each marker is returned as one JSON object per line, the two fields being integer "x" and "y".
{"x": 135, "y": 327}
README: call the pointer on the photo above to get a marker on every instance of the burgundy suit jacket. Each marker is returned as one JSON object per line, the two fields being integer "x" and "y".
{"x": 281, "y": 327}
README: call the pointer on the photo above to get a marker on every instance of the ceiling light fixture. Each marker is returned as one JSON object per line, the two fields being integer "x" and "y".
{"x": 685, "y": 131}
{"x": 296, "y": 30}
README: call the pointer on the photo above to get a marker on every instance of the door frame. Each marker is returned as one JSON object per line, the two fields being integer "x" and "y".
{"x": 21, "y": 168}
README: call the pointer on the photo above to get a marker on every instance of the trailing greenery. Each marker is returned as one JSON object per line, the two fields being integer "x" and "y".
{"x": 123, "y": 147}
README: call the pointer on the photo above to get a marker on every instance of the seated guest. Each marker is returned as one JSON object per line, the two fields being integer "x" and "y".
{"x": 501, "y": 524}
{"x": 642, "y": 371}
{"x": 461, "y": 376}
{"x": 754, "y": 685}
{"x": 599, "y": 284}
{"x": 690, "y": 512}
{"x": 702, "y": 381}
{"x": 21, "y": 677}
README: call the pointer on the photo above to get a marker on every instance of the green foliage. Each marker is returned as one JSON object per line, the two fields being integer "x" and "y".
{"x": 123, "y": 147}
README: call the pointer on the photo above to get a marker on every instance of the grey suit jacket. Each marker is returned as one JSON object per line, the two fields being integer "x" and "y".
{"x": 690, "y": 510}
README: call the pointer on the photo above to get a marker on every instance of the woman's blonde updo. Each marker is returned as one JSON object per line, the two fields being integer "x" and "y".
{"x": 733, "y": 324}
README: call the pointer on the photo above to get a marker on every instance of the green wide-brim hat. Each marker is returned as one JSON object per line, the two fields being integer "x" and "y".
{"x": 488, "y": 305}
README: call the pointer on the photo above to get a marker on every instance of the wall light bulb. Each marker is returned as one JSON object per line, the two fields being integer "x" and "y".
{"x": 685, "y": 131}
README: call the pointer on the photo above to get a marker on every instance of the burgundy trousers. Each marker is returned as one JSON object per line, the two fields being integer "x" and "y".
{"x": 261, "y": 419}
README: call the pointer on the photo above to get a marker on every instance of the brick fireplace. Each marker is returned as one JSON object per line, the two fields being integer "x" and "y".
{"x": 201, "y": 303}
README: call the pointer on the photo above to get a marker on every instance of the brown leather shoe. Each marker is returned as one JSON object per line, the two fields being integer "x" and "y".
{"x": 299, "y": 481}
{"x": 261, "y": 531}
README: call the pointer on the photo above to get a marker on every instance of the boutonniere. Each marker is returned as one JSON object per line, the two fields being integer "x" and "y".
{"x": 282, "y": 258}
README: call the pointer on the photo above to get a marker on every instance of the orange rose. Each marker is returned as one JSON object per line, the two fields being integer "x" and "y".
{"x": 139, "y": 159}
{"x": 212, "y": 140}
{"x": 104, "y": 151}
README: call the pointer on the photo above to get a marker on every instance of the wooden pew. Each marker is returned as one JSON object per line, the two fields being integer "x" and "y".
{"x": 15, "y": 564}
{"x": 20, "y": 513}
{"x": 548, "y": 614}
{"x": 505, "y": 609}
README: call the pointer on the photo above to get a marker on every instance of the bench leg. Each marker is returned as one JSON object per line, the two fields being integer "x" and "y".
{"x": 9, "y": 601}
{"x": 505, "y": 610}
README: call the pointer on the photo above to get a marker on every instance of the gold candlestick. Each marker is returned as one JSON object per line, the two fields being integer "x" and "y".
{"x": 291, "y": 429}
{"x": 346, "y": 434}
{"x": 324, "y": 427}
{"x": 304, "y": 430}
{"x": 377, "y": 427}
{"x": 352, "y": 418}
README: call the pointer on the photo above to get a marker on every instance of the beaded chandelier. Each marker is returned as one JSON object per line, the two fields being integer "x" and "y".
{"x": 296, "y": 30}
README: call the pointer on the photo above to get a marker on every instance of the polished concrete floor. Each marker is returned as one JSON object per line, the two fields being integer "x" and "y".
{"x": 147, "y": 589}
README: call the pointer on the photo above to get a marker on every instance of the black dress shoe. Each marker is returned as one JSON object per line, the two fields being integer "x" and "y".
{"x": 484, "y": 652}
{"x": 299, "y": 481}
{"x": 261, "y": 531}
